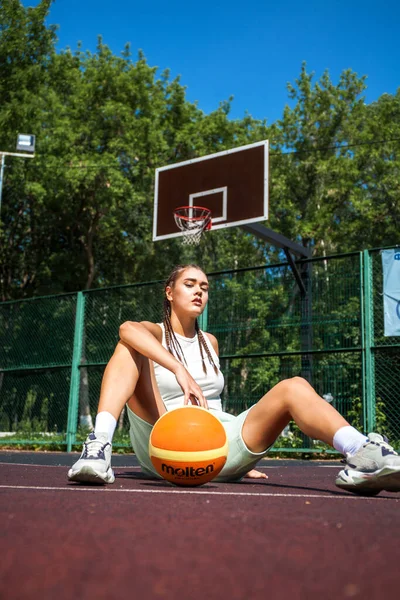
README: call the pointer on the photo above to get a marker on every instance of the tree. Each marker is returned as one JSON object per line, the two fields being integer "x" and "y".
{"x": 371, "y": 217}
{"x": 26, "y": 49}
{"x": 81, "y": 214}
{"x": 310, "y": 171}
{"x": 335, "y": 170}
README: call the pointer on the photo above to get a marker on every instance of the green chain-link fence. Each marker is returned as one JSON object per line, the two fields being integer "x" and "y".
{"x": 54, "y": 349}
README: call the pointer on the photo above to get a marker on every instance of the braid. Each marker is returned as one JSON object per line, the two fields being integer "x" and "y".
{"x": 173, "y": 344}
{"x": 203, "y": 344}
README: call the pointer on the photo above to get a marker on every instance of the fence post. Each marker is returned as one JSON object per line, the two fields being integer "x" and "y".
{"x": 306, "y": 328}
{"x": 306, "y": 334}
{"x": 73, "y": 404}
{"x": 369, "y": 360}
{"x": 203, "y": 319}
{"x": 363, "y": 346}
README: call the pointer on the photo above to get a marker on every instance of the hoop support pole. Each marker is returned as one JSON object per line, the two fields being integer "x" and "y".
{"x": 276, "y": 239}
{"x": 295, "y": 272}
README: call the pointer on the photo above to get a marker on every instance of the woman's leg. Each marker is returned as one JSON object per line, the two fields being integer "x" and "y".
{"x": 291, "y": 399}
{"x": 129, "y": 378}
{"x": 372, "y": 465}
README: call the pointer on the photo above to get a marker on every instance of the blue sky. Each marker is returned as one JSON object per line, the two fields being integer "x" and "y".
{"x": 246, "y": 50}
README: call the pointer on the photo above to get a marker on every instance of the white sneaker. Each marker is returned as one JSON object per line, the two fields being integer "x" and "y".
{"x": 373, "y": 468}
{"x": 94, "y": 465}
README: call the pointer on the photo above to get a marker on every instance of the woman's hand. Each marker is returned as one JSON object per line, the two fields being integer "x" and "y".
{"x": 192, "y": 392}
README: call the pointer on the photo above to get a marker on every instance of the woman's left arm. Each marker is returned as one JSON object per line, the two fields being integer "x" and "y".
{"x": 214, "y": 342}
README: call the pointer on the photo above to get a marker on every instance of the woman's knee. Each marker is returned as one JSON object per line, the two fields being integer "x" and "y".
{"x": 125, "y": 364}
{"x": 300, "y": 381}
{"x": 291, "y": 386}
{"x": 125, "y": 354}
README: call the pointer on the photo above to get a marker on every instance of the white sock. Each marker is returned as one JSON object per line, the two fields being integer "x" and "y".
{"x": 348, "y": 440}
{"x": 105, "y": 423}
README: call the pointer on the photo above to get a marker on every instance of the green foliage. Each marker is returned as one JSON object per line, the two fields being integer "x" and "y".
{"x": 103, "y": 124}
{"x": 337, "y": 188}
{"x": 293, "y": 445}
{"x": 78, "y": 216}
{"x": 356, "y": 415}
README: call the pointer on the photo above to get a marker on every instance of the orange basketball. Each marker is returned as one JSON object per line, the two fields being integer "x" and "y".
{"x": 188, "y": 446}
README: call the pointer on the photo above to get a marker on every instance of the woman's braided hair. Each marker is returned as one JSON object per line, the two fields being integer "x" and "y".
{"x": 171, "y": 340}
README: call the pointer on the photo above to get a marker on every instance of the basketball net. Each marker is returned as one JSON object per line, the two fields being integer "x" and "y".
{"x": 192, "y": 221}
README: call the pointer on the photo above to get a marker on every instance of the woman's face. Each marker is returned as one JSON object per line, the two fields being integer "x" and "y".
{"x": 189, "y": 294}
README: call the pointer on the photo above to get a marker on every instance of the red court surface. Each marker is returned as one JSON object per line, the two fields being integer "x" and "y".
{"x": 294, "y": 536}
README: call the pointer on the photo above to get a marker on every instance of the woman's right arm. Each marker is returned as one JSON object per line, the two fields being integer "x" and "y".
{"x": 146, "y": 338}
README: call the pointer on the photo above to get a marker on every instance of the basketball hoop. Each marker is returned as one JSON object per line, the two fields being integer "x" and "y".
{"x": 192, "y": 221}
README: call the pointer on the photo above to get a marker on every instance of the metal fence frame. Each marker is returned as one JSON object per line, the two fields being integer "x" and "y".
{"x": 367, "y": 347}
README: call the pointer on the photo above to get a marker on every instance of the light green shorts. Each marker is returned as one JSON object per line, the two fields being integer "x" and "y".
{"x": 240, "y": 459}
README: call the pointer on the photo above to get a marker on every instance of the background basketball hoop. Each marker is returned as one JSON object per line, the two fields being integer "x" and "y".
{"x": 232, "y": 184}
{"x": 192, "y": 221}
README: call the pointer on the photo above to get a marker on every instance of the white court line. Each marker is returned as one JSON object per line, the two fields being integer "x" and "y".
{"x": 59, "y": 466}
{"x": 184, "y": 491}
{"x": 259, "y": 467}
{"x": 113, "y": 466}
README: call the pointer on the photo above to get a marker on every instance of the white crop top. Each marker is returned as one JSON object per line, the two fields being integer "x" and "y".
{"x": 212, "y": 384}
